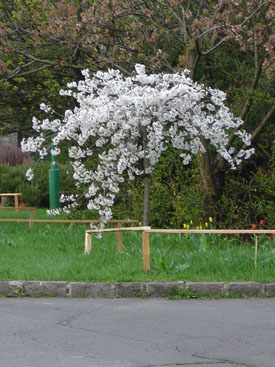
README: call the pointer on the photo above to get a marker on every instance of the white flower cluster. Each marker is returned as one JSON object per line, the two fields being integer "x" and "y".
{"x": 29, "y": 174}
{"x": 132, "y": 120}
{"x": 35, "y": 145}
{"x": 46, "y": 108}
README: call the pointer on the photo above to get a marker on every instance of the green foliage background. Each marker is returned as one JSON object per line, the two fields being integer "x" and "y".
{"x": 176, "y": 194}
{"x": 46, "y": 30}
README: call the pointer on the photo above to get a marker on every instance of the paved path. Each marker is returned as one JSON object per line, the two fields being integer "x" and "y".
{"x": 57, "y": 332}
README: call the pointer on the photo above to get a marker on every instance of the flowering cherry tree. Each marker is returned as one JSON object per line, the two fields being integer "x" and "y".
{"x": 132, "y": 120}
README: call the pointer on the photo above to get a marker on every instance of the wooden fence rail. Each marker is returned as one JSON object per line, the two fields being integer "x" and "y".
{"x": 15, "y": 195}
{"x": 146, "y": 238}
{"x": 88, "y": 236}
{"x": 67, "y": 221}
{"x": 31, "y": 209}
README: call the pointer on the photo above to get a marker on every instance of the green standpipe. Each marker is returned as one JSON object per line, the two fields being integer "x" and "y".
{"x": 54, "y": 184}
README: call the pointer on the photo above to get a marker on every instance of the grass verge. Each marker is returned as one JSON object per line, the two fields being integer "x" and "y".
{"x": 56, "y": 252}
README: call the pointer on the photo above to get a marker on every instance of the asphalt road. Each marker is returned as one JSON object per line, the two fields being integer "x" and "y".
{"x": 57, "y": 332}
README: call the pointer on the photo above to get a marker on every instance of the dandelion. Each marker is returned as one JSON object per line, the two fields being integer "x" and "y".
{"x": 210, "y": 219}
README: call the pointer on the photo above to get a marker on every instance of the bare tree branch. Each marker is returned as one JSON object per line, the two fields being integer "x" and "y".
{"x": 263, "y": 123}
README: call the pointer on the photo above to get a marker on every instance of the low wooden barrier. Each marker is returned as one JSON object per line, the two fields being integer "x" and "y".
{"x": 146, "y": 238}
{"x": 31, "y": 209}
{"x": 89, "y": 232}
{"x": 115, "y": 222}
{"x": 15, "y": 195}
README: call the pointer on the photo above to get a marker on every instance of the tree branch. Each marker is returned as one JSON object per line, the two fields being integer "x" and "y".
{"x": 220, "y": 161}
{"x": 230, "y": 26}
{"x": 263, "y": 123}
{"x": 216, "y": 46}
{"x": 248, "y": 103}
{"x": 252, "y": 14}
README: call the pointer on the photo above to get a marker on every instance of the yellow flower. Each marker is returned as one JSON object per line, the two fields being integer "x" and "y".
{"x": 184, "y": 226}
{"x": 187, "y": 226}
{"x": 191, "y": 222}
{"x": 206, "y": 225}
{"x": 210, "y": 219}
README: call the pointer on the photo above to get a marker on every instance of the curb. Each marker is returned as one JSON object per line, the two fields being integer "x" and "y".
{"x": 132, "y": 289}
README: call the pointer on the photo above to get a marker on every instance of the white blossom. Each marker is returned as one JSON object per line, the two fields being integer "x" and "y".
{"x": 133, "y": 119}
{"x": 29, "y": 174}
{"x": 46, "y": 108}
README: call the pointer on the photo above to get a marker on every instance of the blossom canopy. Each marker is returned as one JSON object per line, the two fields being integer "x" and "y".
{"x": 132, "y": 120}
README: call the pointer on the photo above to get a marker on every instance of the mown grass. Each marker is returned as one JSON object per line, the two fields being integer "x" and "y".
{"x": 56, "y": 252}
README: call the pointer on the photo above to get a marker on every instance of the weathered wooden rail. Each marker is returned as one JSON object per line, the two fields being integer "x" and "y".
{"x": 115, "y": 222}
{"x": 118, "y": 231}
{"x": 31, "y": 209}
{"x": 15, "y": 195}
{"x": 146, "y": 231}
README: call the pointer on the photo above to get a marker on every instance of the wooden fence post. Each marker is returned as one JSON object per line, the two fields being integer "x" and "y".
{"x": 256, "y": 250}
{"x": 146, "y": 250}
{"x": 118, "y": 239}
{"x": 16, "y": 202}
{"x": 88, "y": 243}
{"x": 32, "y": 211}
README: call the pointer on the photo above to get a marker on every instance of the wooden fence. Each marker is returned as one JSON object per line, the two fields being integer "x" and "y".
{"x": 31, "y": 220}
{"x": 146, "y": 238}
{"x": 15, "y": 196}
{"x": 31, "y": 209}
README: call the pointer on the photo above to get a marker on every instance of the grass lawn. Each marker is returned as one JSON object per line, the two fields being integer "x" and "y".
{"x": 56, "y": 252}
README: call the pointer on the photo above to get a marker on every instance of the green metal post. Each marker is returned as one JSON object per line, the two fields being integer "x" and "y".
{"x": 54, "y": 184}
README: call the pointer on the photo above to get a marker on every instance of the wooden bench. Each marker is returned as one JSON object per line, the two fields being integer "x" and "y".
{"x": 31, "y": 209}
{"x": 15, "y": 196}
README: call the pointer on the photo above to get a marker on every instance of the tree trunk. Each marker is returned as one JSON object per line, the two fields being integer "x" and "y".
{"x": 208, "y": 178}
{"x": 147, "y": 178}
{"x": 192, "y": 58}
{"x": 209, "y": 184}
{"x": 146, "y": 206}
